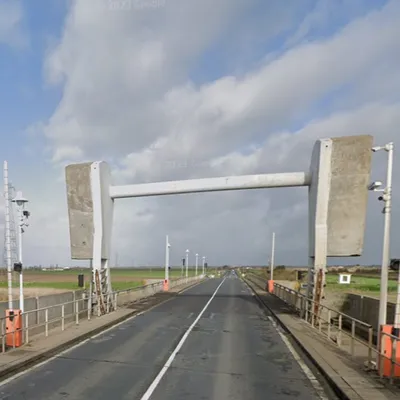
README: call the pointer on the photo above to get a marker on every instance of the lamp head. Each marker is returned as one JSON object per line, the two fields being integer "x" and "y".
{"x": 375, "y": 185}
{"x": 19, "y": 199}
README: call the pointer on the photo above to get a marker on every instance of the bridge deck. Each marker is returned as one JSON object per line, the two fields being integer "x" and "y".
{"x": 234, "y": 351}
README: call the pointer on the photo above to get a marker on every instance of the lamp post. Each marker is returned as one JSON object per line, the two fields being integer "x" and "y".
{"x": 167, "y": 247}
{"x": 272, "y": 256}
{"x": 204, "y": 261}
{"x": 187, "y": 263}
{"x": 197, "y": 262}
{"x": 23, "y": 215}
{"x": 386, "y": 197}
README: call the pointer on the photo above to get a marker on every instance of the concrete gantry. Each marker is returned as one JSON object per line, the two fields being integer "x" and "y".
{"x": 338, "y": 181}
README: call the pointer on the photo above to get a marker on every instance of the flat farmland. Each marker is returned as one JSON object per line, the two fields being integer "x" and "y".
{"x": 62, "y": 280}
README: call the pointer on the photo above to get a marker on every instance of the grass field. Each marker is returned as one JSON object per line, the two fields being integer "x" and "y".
{"x": 124, "y": 278}
{"x": 365, "y": 283}
{"x": 121, "y": 278}
{"x": 359, "y": 284}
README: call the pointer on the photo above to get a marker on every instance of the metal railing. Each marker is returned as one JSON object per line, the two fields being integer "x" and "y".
{"x": 340, "y": 328}
{"x": 19, "y": 328}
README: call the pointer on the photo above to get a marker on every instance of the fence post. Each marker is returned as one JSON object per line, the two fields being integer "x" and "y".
{"x": 62, "y": 317}
{"x": 46, "y": 316}
{"x": 13, "y": 332}
{"x": 393, "y": 358}
{"x": 307, "y": 308}
{"x": 37, "y": 312}
{"x": 76, "y": 312}
{"x": 319, "y": 317}
{"x": 26, "y": 328}
{"x": 329, "y": 323}
{"x": 339, "y": 338}
{"x": 90, "y": 301}
{"x": 3, "y": 335}
{"x": 370, "y": 338}
{"x": 353, "y": 334}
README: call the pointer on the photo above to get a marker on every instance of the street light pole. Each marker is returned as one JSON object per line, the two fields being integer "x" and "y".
{"x": 167, "y": 247}
{"x": 197, "y": 262}
{"x": 187, "y": 263}
{"x": 204, "y": 261}
{"x": 272, "y": 256}
{"x": 23, "y": 215}
{"x": 387, "y": 199}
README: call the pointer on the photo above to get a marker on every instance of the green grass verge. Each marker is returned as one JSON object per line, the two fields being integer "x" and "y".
{"x": 362, "y": 284}
{"x": 150, "y": 273}
{"x": 74, "y": 286}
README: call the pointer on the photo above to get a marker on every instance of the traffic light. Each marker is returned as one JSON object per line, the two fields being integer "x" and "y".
{"x": 18, "y": 267}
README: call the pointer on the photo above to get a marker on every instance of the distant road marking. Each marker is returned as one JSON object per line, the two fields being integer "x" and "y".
{"x": 69, "y": 349}
{"x": 308, "y": 373}
{"x": 171, "y": 358}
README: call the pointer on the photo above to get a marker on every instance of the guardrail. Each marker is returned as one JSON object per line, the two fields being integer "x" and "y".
{"x": 337, "y": 326}
{"x": 45, "y": 319}
{"x": 342, "y": 330}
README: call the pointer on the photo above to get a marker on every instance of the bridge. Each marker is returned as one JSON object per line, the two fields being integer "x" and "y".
{"x": 222, "y": 338}
{"x": 231, "y": 337}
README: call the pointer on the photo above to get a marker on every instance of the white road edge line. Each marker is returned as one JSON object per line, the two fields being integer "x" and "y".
{"x": 171, "y": 358}
{"x": 308, "y": 373}
{"x": 26, "y": 371}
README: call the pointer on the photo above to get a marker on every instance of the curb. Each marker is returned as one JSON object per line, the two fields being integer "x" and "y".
{"x": 47, "y": 354}
{"x": 334, "y": 386}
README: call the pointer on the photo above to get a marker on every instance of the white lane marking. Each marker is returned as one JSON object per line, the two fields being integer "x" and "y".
{"x": 26, "y": 371}
{"x": 171, "y": 358}
{"x": 308, "y": 373}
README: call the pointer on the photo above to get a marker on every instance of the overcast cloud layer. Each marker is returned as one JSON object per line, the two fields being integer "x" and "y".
{"x": 194, "y": 89}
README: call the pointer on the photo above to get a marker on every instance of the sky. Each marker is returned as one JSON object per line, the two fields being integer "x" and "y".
{"x": 181, "y": 89}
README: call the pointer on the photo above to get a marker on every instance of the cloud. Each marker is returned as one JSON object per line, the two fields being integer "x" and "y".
{"x": 11, "y": 16}
{"x": 128, "y": 97}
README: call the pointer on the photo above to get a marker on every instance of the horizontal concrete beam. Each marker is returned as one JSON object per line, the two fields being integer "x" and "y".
{"x": 243, "y": 182}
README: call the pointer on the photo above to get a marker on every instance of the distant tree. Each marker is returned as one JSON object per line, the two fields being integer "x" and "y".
{"x": 394, "y": 264}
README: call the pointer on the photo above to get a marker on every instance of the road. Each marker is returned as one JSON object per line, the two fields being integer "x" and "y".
{"x": 232, "y": 350}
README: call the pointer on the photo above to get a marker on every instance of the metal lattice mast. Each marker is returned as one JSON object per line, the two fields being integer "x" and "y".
{"x": 13, "y": 232}
{"x": 10, "y": 240}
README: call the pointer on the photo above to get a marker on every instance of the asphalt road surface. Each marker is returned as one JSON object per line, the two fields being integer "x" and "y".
{"x": 211, "y": 342}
